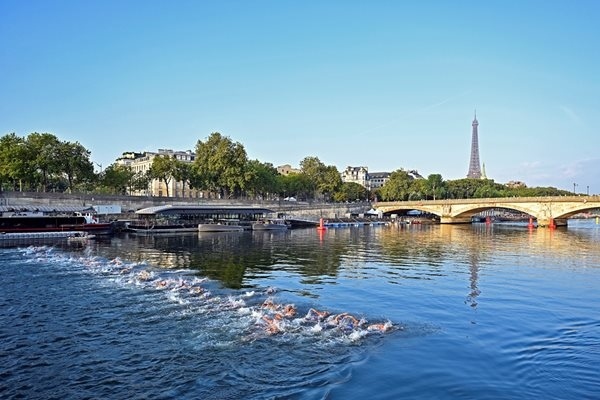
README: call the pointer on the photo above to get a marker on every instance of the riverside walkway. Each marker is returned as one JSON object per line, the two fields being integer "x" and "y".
{"x": 548, "y": 211}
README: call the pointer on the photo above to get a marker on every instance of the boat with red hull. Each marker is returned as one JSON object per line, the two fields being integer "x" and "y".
{"x": 23, "y": 223}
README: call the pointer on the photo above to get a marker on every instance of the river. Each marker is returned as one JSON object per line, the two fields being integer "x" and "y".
{"x": 470, "y": 312}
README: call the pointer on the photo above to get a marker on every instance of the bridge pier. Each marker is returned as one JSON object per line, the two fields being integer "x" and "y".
{"x": 547, "y": 222}
{"x": 455, "y": 220}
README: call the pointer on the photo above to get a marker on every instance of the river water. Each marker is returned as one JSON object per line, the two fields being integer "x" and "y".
{"x": 471, "y": 312}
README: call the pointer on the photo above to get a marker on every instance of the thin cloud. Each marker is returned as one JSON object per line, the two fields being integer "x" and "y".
{"x": 572, "y": 115}
{"x": 413, "y": 112}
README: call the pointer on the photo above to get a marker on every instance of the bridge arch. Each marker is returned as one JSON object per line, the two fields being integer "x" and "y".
{"x": 547, "y": 211}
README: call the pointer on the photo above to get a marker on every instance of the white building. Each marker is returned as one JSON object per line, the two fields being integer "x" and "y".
{"x": 140, "y": 163}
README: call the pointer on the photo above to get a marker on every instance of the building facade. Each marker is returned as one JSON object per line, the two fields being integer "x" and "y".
{"x": 140, "y": 164}
{"x": 287, "y": 169}
{"x": 361, "y": 175}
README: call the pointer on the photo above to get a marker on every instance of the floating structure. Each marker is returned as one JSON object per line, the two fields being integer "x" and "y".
{"x": 177, "y": 219}
{"x": 224, "y": 225}
{"x": 270, "y": 225}
{"x": 28, "y": 238}
{"x": 34, "y": 220}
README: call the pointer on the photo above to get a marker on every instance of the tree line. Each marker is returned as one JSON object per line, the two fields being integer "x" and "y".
{"x": 41, "y": 162}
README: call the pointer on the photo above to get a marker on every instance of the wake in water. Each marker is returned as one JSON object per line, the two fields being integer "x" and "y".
{"x": 226, "y": 316}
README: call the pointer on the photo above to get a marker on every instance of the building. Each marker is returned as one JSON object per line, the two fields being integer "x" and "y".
{"x": 140, "y": 164}
{"x": 361, "y": 175}
{"x": 377, "y": 179}
{"x": 474, "y": 166}
{"x": 358, "y": 175}
{"x": 287, "y": 169}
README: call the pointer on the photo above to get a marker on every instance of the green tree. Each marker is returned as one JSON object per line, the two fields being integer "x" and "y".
{"x": 221, "y": 164}
{"x": 435, "y": 187}
{"x": 398, "y": 187}
{"x": 163, "y": 169}
{"x": 262, "y": 178}
{"x": 45, "y": 148}
{"x": 74, "y": 162}
{"x": 117, "y": 178}
{"x": 350, "y": 191}
{"x": 14, "y": 161}
{"x": 183, "y": 172}
{"x": 298, "y": 185}
{"x": 330, "y": 181}
{"x": 141, "y": 181}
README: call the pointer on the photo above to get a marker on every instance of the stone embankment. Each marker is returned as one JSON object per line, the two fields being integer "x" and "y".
{"x": 129, "y": 204}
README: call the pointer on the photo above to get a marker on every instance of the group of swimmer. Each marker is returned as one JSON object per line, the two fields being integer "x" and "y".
{"x": 270, "y": 317}
{"x": 343, "y": 321}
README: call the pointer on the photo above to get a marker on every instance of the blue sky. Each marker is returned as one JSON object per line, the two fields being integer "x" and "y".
{"x": 383, "y": 84}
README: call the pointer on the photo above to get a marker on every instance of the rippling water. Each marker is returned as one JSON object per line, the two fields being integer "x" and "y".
{"x": 476, "y": 312}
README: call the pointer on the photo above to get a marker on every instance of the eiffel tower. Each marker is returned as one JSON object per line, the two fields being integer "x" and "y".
{"x": 474, "y": 166}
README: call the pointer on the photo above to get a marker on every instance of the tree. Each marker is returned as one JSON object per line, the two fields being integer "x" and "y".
{"x": 117, "y": 178}
{"x": 325, "y": 179}
{"x": 163, "y": 169}
{"x": 182, "y": 172}
{"x": 330, "y": 181}
{"x": 435, "y": 186}
{"x": 350, "y": 191}
{"x": 13, "y": 160}
{"x": 398, "y": 187}
{"x": 141, "y": 181}
{"x": 45, "y": 148}
{"x": 74, "y": 161}
{"x": 262, "y": 178}
{"x": 298, "y": 185}
{"x": 221, "y": 164}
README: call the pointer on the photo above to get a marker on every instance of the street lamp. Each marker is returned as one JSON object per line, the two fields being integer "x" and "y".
{"x": 574, "y": 185}
{"x": 588, "y": 190}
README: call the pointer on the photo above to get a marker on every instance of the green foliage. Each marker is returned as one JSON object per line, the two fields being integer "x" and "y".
{"x": 163, "y": 169}
{"x": 221, "y": 164}
{"x": 183, "y": 172}
{"x": 351, "y": 191}
{"x": 42, "y": 162}
{"x": 325, "y": 180}
{"x": 297, "y": 185}
{"x": 117, "y": 178}
{"x": 74, "y": 162}
{"x": 261, "y": 179}
{"x": 398, "y": 187}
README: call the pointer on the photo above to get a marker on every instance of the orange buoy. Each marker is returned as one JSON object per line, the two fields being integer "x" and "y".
{"x": 321, "y": 226}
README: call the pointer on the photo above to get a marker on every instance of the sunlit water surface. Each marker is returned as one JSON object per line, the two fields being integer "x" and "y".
{"x": 474, "y": 312}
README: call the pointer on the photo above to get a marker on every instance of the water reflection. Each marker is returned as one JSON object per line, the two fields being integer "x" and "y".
{"x": 420, "y": 252}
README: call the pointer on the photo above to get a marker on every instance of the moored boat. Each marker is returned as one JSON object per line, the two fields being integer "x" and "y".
{"x": 221, "y": 226}
{"x": 270, "y": 225}
{"x": 38, "y": 222}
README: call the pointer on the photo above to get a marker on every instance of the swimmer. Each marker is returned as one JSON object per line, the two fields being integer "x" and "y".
{"x": 269, "y": 305}
{"x": 271, "y": 290}
{"x": 381, "y": 327}
{"x": 143, "y": 275}
{"x": 314, "y": 315}
{"x": 182, "y": 284}
{"x": 289, "y": 310}
{"x": 162, "y": 284}
{"x": 272, "y": 327}
{"x": 196, "y": 290}
{"x": 343, "y": 321}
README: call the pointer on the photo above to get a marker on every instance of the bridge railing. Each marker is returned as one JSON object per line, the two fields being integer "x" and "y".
{"x": 539, "y": 199}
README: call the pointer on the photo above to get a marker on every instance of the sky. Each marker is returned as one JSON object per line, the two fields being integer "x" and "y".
{"x": 382, "y": 84}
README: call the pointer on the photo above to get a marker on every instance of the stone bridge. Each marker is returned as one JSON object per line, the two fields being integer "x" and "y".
{"x": 548, "y": 211}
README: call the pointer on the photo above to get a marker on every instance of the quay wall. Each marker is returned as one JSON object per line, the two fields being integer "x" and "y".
{"x": 129, "y": 204}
